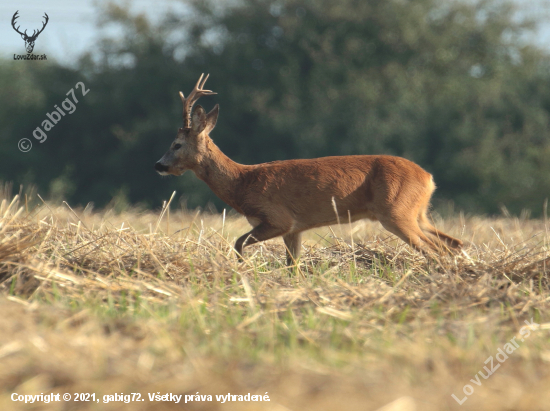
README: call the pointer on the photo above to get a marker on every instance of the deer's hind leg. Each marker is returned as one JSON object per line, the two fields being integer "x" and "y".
{"x": 444, "y": 240}
{"x": 409, "y": 231}
{"x": 400, "y": 217}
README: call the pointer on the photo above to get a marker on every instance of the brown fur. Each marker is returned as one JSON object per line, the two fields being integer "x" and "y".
{"x": 285, "y": 198}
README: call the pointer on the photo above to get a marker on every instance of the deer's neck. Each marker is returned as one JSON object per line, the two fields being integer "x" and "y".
{"x": 221, "y": 174}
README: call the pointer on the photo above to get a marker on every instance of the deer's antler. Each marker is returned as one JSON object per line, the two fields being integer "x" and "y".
{"x": 188, "y": 102}
{"x": 15, "y": 16}
{"x": 34, "y": 33}
{"x": 34, "y": 36}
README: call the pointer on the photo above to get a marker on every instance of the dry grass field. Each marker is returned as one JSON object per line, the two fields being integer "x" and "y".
{"x": 143, "y": 302}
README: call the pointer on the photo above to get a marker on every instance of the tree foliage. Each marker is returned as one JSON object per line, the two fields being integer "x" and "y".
{"x": 449, "y": 85}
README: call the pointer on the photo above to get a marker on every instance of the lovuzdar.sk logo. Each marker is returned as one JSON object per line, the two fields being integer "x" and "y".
{"x": 29, "y": 40}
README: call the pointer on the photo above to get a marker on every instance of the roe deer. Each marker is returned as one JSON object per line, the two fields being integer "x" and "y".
{"x": 285, "y": 198}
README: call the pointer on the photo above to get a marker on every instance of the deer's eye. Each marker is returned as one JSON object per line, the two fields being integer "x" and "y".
{"x": 177, "y": 146}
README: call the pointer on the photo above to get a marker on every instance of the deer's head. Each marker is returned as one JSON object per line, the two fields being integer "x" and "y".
{"x": 29, "y": 40}
{"x": 189, "y": 147}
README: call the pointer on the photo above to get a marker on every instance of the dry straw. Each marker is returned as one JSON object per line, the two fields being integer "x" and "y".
{"x": 360, "y": 299}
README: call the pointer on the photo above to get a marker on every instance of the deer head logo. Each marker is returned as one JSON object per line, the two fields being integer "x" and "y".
{"x": 29, "y": 40}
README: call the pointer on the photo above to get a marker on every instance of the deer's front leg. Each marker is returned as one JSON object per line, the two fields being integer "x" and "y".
{"x": 293, "y": 242}
{"x": 262, "y": 232}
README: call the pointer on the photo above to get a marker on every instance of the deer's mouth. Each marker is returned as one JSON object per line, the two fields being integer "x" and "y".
{"x": 161, "y": 169}
{"x": 165, "y": 170}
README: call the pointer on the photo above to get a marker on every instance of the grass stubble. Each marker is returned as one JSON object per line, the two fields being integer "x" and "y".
{"x": 143, "y": 302}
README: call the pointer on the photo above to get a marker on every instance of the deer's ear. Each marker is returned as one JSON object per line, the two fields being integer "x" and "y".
{"x": 212, "y": 118}
{"x": 198, "y": 119}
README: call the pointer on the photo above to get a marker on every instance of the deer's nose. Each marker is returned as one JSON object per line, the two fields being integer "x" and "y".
{"x": 161, "y": 167}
